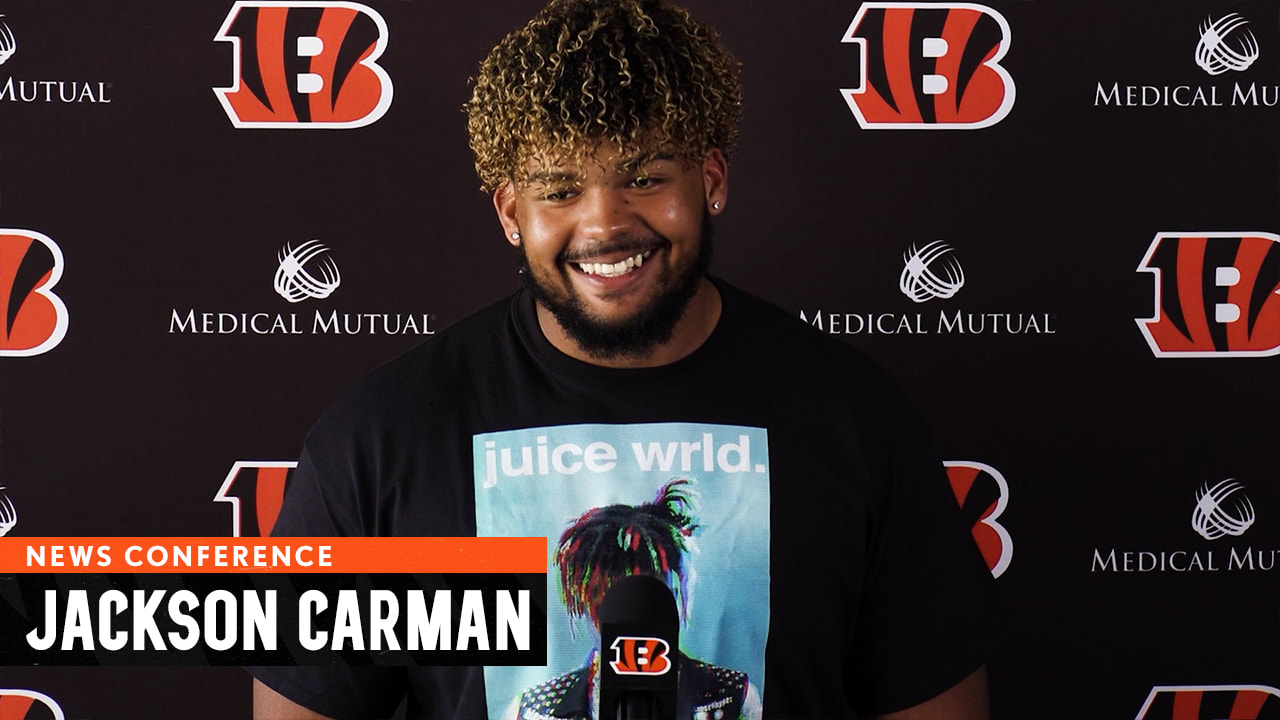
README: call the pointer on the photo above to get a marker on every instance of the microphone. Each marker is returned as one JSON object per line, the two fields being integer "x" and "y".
{"x": 639, "y": 650}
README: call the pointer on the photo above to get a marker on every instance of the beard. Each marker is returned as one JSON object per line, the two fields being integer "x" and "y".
{"x": 635, "y": 336}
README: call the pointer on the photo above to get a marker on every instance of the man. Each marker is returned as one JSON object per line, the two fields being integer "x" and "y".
{"x": 847, "y": 585}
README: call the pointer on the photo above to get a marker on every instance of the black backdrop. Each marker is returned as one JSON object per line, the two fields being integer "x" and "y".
{"x": 160, "y": 207}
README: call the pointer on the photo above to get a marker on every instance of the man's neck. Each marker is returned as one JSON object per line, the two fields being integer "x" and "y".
{"x": 691, "y": 331}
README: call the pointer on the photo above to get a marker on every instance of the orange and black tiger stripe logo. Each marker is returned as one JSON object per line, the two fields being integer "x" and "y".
{"x": 634, "y": 655}
{"x": 1211, "y": 702}
{"x": 305, "y": 65}
{"x": 1217, "y": 294}
{"x": 983, "y": 493}
{"x": 33, "y": 320}
{"x": 930, "y": 66}
{"x": 28, "y": 705}
{"x": 255, "y": 489}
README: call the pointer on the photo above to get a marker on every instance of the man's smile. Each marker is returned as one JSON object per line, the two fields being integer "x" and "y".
{"x": 614, "y": 268}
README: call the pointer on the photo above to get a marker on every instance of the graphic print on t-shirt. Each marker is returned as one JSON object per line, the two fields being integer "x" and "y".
{"x": 685, "y": 502}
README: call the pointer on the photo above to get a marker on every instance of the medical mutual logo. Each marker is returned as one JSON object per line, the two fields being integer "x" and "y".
{"x": 1222, "y": 510}
{"x": 930, "y": 272}
{"x": 1227, "y": 48}
{"x": 1226, "y": 44}
{"x": 8, "y": 514}
{"x": 8, "y": 43}
{"x": 43, "y": 90}
{"x": 306, "y": 272}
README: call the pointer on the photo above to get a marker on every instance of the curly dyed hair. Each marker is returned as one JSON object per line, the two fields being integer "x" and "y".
{"x": 637, "y": 74}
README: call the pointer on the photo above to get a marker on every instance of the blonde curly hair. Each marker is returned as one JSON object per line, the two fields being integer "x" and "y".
{"x": 635, "y": 74}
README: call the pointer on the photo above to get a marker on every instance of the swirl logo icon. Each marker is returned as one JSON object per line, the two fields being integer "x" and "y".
{"x": 8, "y": 43}
{"x": 930, "y": 272}
{"x": 8, "y": 514}
{"x": 1226, "y": 44}
{"x": 307, "y": 271}
{"x": 1213, "y": 519}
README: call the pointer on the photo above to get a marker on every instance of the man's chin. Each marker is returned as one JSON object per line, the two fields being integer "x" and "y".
{"x": 615, "y": 335}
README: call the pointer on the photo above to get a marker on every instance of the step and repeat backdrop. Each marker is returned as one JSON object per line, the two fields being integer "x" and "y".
{"x": 1058, "y": 223}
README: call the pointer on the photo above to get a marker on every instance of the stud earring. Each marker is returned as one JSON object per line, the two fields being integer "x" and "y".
{"x": 515, "y": 236}
{"x": 715, "y": 205}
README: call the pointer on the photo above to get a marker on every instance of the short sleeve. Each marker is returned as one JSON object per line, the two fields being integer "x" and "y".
{"x": 923, "y": 622}
{"x": 314, "y": 507}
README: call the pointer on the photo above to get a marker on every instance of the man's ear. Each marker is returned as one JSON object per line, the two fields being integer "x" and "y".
{"x": 504, "y": 204}
{"x": 715, "y": 180}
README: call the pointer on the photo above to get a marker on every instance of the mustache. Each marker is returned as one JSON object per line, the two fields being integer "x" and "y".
{"x": 630, "y": 244}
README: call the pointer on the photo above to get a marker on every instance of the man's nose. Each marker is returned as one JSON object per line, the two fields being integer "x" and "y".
{"x": 606, "y": 214}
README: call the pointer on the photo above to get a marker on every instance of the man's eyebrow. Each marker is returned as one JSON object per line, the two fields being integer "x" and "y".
{"x": 549, "y": 177}
{"x": 632, "y": 163}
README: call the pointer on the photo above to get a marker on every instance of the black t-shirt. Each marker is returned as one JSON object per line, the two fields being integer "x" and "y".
{"x": 875, "y": 597}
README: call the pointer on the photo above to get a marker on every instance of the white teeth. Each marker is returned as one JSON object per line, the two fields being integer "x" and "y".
{"x": 621, "y": 267}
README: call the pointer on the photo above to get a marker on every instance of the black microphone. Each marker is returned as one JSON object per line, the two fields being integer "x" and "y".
{"x": 639, "y": 650}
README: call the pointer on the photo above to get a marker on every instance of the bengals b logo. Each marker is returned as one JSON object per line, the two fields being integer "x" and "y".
{"x": 305, "y": 65}
{"x": 983, "y": 494}
{"x": 28, "y": 705}
{"x": 929, "y": 66}
{"x": 1211, "y": 702}
{"x": 32, "y": 319}
{"x": 255, "y": 489}
{"x": 640, "y": 655}
{"x": 1217, "y": 294}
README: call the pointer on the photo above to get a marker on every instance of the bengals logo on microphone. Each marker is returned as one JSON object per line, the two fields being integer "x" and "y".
{"x": 28, "y": 705}
{"x": 305, "y": 65}
{"x": 1211, "y": 702}
{"x": 633, "y": 655}
{"x": 255, "y": 489}
{"x": 929, "y": 66}
{"x": 33, "y": 320}
{"x": 1217, "y": 294}
{"x": 983, "y": 494}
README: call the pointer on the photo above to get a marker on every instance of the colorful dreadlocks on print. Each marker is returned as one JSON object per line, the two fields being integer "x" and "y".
{"x": 607, "y": 543}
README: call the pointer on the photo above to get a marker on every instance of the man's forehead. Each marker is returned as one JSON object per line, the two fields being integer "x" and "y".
{"x": 547, "y": 162}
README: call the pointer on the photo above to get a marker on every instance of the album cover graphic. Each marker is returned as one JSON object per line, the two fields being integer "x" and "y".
{"x": 686, "y": 503}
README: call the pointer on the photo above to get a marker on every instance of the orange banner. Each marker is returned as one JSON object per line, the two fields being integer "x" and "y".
{"x": 294, "y": 555}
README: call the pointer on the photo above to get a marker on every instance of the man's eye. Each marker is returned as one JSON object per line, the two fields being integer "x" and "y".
{"x": 646, "y": 181}
{"x": 557, "y": 195}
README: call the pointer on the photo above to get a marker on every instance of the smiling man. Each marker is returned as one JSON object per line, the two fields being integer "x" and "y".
{"x": 621, "y": 286}
{"x": 834, "y": 568}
